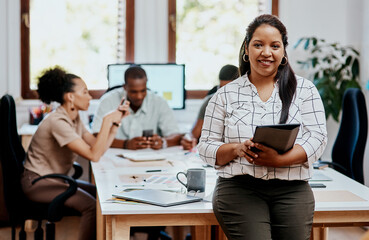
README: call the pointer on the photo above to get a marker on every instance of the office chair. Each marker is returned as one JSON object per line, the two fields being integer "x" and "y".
{"x": 349, "y": 146}
{"x": 18, "y": 206}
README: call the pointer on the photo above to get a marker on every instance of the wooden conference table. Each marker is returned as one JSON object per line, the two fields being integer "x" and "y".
{"x": 343, "y": 202}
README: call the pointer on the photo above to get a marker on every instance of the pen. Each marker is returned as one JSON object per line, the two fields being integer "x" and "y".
{"x": 190, "y": 151}
{"x": 130, "y": 185}
{"x": 154, "y": 170}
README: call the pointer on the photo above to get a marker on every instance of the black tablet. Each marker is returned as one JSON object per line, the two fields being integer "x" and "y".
{"x": 281, "y": 137}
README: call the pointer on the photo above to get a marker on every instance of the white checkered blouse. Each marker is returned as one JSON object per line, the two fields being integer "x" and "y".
{"x": 236, "y": 109}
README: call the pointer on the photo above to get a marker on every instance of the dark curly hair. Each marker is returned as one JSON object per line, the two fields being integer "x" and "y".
{"x": 287, "y": 80}
{"x": 54, "y": 83}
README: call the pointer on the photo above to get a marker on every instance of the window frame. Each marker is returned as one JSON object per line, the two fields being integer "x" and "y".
{"x": 191, "y": 94}
{"x": 28, "y": 93}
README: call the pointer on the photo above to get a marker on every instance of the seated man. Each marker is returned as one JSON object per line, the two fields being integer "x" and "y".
{"x": 227, "y": 74}
{"x": 147, "y": 112}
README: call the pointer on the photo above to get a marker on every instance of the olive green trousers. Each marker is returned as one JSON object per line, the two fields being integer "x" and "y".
{"x": 256, "y": 209}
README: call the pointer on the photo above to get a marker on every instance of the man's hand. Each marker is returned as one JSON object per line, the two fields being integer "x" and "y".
{"x": 156, "y": 142}
{"x": 137, "y": 143}
{"x": 188, "y": 142}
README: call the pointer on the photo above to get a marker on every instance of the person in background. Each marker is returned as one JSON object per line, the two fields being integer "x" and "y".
{"x": 226, "y": 74}
{"x": 264, "y": 194}
{"x": 60, "y": 138}
{"x": 148, "y": 112}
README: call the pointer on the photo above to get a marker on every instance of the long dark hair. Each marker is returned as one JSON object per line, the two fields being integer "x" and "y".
{"x": 287, "y": 81}
{"x": 54, "y": 83}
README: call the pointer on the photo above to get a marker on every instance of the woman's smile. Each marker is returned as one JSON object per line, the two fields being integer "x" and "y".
{"x": 265, "y": 63}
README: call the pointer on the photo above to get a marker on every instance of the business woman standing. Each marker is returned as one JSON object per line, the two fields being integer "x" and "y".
{"x": 263, "y": 194}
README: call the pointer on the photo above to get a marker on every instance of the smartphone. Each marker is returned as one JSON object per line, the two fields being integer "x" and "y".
{"x": 317, "y": 185}
{"x": 122, "y": 103}
{"x": 147, "y": 133}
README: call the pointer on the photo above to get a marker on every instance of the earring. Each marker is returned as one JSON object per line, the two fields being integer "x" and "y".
{"x": 286, "y": 61}
{"x": 72, "y": 107}
{"x": 244, "y": 58}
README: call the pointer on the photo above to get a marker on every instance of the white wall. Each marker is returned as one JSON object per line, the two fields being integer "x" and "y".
{"x": 365, "y": 43}
{"x": 10, "y": 48}
{"x": 333, "y": 20}
{"x": 3, "y": 43}
{"x": 343, "y": 21}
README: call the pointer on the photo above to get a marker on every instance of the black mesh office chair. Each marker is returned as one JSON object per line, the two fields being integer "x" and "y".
{"x": 348, "y": 149}
{"x": 18, "y": 206}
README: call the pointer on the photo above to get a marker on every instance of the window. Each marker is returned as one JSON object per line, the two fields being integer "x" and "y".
{"x": 115, "y": 23}
{"x": 209, "y": 36}
{"x": 81, "y": 36}
{"x": 65, "y": 33}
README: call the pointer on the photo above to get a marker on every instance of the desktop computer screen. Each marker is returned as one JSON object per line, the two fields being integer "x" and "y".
{"x": 166, "y": 80}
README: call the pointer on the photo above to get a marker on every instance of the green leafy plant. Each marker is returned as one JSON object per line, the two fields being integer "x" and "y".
{"x": 333, "y": 68}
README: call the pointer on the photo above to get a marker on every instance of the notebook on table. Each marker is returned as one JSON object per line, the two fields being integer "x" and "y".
{"x": 157, "y": 197}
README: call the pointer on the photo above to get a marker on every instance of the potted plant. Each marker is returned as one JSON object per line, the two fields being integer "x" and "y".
{"x": 333, "y": 68}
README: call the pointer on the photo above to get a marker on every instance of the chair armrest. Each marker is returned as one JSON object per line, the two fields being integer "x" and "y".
{"x": 78, "y": 170}
{"x": 55, "y": 211}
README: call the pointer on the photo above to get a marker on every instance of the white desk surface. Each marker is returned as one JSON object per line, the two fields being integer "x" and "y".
{"x": 341, "y": 194}
{"x": 346, "y": 194}
{"x": 110, "y": 170}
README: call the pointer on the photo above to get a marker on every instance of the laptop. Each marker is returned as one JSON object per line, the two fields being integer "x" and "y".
{"x": 157, "y": 197}
{"x": 319, "y": 176}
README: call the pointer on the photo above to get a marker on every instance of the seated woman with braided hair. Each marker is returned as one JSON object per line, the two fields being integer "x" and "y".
{"x": 60, "y": 138}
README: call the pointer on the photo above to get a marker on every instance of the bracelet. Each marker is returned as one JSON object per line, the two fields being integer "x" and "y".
{"x": 125, "y": 144}
{"x": 165, "y": 144}
{"x": 116, "y": 124}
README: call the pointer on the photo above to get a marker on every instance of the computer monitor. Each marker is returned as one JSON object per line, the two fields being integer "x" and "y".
{"x": 166, "y": 80}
